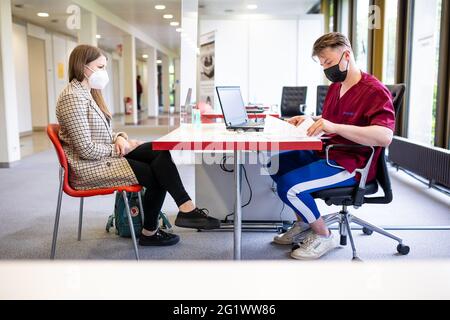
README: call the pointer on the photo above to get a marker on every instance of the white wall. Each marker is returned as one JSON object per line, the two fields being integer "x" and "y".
{"x": 272, "y": 59}
{"x": 38, "y": 85}
{"x": 116, "y": 85}
{"x": 309, "y": 72}
{"x": 58, "y": 48}
{"x": 231, "y": 53}
{"x": 262, "y": 56}
{"x": 108, "y": 92}
{"x": 20, "y": 49}
{"x": 144, "y": 83}
{"x": 62, "y": 47}
{"x": 176, "y": 65}
{"x": 120, "y": 83}
{"x": 9, "y": 124}
{"x": 41, "y": 33}
{"x": 188, "y": 54}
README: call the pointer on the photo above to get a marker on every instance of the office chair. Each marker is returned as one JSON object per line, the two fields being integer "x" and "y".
{"x": 358, "y": 196}
{"x": 293, "y": 101}
{"x": 321, "y": 95}
{"x": 397, "y": 92}
{"x": 64, "y": 186}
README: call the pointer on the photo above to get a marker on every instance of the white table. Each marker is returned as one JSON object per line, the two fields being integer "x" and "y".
{"x": 214, "y": 137}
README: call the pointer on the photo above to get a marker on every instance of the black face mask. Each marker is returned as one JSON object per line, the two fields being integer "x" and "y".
{"x": 334, "y": 74}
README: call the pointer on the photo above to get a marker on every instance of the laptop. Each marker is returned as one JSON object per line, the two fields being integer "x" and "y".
{"x": 188, "y": 98}
{"x": 233, "y": 110}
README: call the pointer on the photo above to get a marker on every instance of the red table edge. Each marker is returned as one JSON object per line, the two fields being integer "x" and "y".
{"x": 242, "y": 146}
{"x": 251, "y": 116}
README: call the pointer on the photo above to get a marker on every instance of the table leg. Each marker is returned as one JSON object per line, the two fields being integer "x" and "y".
{"x": 237, "y": 208}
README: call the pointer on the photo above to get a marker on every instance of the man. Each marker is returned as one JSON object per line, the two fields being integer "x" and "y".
{"x": 358, "y": 110}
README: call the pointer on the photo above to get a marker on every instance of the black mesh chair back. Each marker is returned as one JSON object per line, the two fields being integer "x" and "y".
{"x": 291, "y": 101}
{"x": 397, "y": 92}
{"x": 321, "y": 95}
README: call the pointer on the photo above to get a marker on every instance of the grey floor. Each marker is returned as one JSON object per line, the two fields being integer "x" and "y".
{"x": 28, "y": 195}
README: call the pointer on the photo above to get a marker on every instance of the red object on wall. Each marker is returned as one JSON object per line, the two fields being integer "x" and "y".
{"x": 128, "y": 105}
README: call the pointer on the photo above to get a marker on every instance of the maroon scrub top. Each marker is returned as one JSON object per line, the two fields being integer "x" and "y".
{"x": 367, "y": 103}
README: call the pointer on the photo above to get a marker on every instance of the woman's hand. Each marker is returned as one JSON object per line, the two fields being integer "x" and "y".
{"x": 296, "y": 121}
{"x": 134, "y": 144}
{"x": 122, "y": 146}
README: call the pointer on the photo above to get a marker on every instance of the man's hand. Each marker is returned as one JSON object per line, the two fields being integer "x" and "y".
{"x": 296, "y": 121}
{"x": 322, "y": 125}
{"x": 122, "y": 146}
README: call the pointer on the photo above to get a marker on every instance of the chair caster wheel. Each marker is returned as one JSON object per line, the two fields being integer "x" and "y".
{"x": 367, "y": 231}
{"x": 402, "y": 249}
{"x": 281, "y": 230}
{"x": 343, "y": 241}
{"x": 295, "y": 247}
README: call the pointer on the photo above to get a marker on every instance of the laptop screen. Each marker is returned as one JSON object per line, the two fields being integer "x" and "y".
{"x": 188, "y": 98}
{"x": 233, "y": 108}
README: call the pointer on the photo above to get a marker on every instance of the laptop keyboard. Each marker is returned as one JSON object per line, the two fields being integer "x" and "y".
{"x": 254, "y": 124}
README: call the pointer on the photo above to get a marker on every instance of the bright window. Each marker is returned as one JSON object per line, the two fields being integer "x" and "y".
{"x": 344, "y": 17}
{"x": 362, "y": 33}
{"x": 332, "y": 13}
{"x": 390, "y": 41}
{"x": 424, "y": 71}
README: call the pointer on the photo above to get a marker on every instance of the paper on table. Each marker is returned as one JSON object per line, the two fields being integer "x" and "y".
{"x": 276, "y": 126}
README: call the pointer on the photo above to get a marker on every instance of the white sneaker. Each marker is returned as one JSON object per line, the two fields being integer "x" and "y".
{"x": 288, "y": 237}
{"x": 314, "y": 246}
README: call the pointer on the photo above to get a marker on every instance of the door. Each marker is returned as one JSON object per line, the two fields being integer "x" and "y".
{"x": 38, "y": 83}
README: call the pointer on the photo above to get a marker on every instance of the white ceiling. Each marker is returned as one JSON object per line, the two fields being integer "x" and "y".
{"x": 274, "y": 8}
{"x": 139, "y": 13}
{"x": 56, "y": 9}
{"x": 143, "y": 15}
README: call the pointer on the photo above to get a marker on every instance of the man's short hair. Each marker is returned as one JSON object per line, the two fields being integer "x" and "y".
{"x": 331, "y": 40}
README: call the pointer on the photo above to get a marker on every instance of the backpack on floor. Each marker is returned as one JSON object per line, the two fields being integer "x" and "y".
{"x": 120, "y": 220}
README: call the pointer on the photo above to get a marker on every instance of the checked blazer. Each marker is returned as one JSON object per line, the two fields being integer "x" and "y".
{"x": 88, "y": 142}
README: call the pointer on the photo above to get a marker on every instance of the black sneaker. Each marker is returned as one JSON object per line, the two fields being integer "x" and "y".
{"x": 160, "y": 238}
{"x": 197, "y": 219}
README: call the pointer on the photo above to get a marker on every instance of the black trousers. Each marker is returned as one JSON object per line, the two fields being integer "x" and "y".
{"x": 139, "y": 101}
{"x": 156, "y": 171}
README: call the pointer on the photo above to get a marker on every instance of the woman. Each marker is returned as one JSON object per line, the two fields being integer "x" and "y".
{"x": 100, "y": 158}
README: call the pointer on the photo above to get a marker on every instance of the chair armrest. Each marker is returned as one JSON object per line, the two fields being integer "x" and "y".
{"x": 302, "y": 108}
{"x": 364, "y": 172}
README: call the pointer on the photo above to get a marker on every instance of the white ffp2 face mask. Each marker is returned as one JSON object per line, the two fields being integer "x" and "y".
{"x": 98, "y": 79}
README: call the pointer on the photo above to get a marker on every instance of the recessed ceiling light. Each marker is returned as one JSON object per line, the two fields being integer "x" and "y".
{"x": 43, "y": 14}
{"x": 179, "y": 29}
{"x": 168, "y": 16}
{"x": 252, "y": 6}
{"x": 158, "y": 61}
{"x": 98, "y": 36}
{"x": 175, "y": 23}
{"x": 160, "y": 7}
{"x": 145, "y": 56}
